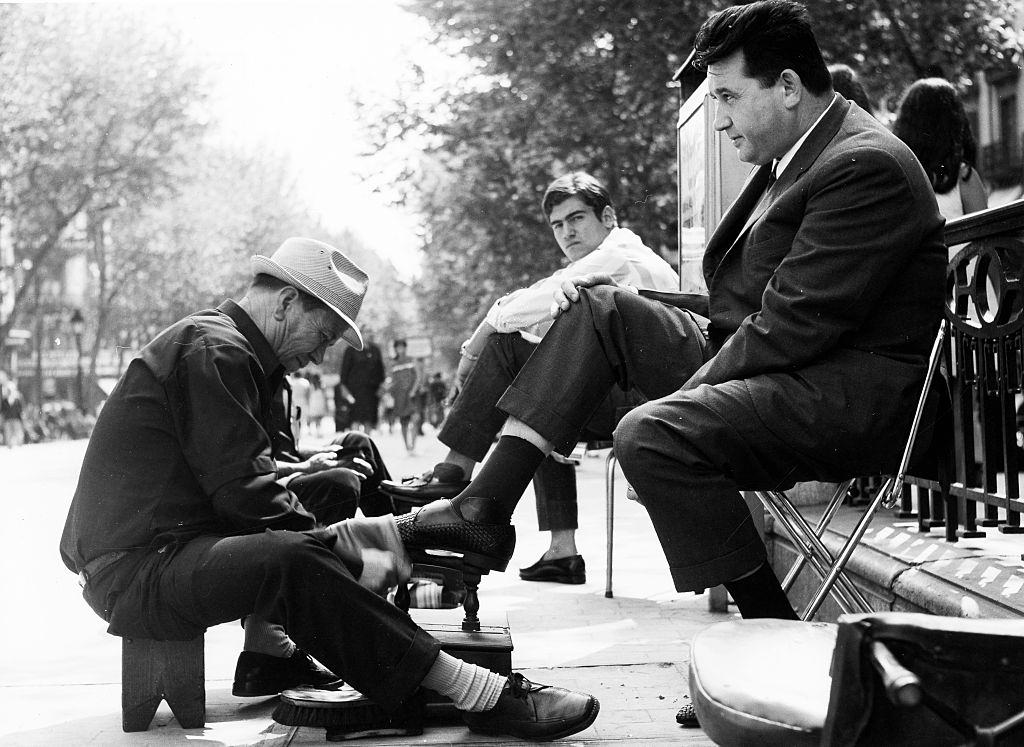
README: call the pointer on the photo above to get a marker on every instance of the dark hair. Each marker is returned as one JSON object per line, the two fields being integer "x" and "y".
{"x": 846, "y": 83}
{"x": 932, "y": 121}
{"x": 399, "y": 341}
{"x": 269, "y": 283}
{"x": 773, "y": 35}
{"x": 576, "y": 184}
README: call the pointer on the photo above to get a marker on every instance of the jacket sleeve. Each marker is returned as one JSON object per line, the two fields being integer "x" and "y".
{"x": 862, "y": 220}
{"x": 216, "y": 402}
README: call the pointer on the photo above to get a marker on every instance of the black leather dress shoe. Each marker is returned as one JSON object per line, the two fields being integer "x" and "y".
{"x": 536, "y": 712}
{"x": 258, "y": 675}
{"x": 570, "y": 570}
{"x": 444, "y": 481}
{"x": 475, "y": 528}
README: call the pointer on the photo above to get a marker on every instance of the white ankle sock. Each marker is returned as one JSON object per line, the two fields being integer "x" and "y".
{"x": 471, "y": 688}
{"x": 266, "y": 638}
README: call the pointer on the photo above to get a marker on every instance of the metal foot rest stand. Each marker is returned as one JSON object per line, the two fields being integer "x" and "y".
{"x": 808, "y": 540}
{"x": 152, "y": 671}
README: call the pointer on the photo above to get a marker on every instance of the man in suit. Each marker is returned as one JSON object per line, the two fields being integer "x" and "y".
{"x": 825, "y": 284}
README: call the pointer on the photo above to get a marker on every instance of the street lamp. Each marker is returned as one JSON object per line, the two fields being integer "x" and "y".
{"x": 77, "y": 327}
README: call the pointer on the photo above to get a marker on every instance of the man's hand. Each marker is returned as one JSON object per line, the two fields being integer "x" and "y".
{"x": 321, "y": 461}
{"x": 383, "y": 569}
{"x": 568, "y": 293}
{"x": 461, "y": 374}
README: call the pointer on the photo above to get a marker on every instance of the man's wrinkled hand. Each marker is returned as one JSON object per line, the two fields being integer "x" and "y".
{"x": 568, "y": 292}
{"x": 383, "y": 569}
{"x": 321, "y": 461}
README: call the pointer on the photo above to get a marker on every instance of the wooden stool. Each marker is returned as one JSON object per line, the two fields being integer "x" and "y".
{"x": 152, "y": 671}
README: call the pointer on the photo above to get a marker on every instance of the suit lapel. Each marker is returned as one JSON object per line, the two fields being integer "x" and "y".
{"x": 749, "y": 204}
{"x": 729, "y": 228}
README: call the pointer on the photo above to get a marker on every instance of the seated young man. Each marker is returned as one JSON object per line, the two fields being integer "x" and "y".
{"x": 582, "y": 218}
{"x": 179, "y": 522}
{"x": 825, "y": 283}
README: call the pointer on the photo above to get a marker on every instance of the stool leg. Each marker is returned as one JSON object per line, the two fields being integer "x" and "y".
{"x": 471, "y": 606}
{"x": 609, "y": 502}
{"x": 152, "y": 671}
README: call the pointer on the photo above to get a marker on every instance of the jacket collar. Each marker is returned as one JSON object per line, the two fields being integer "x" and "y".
{"x": 265, "y": 354}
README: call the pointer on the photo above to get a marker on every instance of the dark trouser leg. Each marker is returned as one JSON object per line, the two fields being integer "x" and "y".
{"x": 289, "y": 578}
{"x": 331, "y": 495}
{"x": 554, "y": 485}
{"x": 611, "y": 336}
{"x": 687, "y": 456}
{"x": 474, "y": 419}
{"x": 356, "y": 444}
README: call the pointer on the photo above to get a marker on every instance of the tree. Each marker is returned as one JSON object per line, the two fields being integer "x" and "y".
{"x": 94, "y": 115}
{"x": 892, "y": 44}
{"x": 556, "y": 86}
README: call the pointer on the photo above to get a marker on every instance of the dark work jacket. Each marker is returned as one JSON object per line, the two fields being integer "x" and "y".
{"x": 182, "y": 446}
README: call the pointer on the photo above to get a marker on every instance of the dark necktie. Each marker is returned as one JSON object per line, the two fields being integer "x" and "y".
{"x": 771, "y": 177}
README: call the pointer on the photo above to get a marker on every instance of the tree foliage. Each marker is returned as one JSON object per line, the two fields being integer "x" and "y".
{"x": 93, "y": 115}
{"x": 556, "y": 86}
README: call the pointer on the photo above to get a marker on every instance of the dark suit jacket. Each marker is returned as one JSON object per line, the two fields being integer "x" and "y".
{"x": 826, "y": 298}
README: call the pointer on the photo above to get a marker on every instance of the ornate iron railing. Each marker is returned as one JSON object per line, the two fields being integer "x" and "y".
{"x": 985, "y": 370}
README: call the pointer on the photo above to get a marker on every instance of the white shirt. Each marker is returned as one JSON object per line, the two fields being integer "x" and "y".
{"x": 622, "y": 255}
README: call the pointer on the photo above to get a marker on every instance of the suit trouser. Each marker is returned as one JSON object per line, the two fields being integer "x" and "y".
{"x": 474, "y": 421}
{"x": 290, "y": 578}
{"x": 686, "y": 453}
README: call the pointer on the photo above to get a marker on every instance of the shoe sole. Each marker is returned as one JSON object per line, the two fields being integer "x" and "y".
{"x": 457, "y": 560}
{"x": 585, "y": 721}
{"x": 576, "y": 580}
{"x": 425, "y": 494}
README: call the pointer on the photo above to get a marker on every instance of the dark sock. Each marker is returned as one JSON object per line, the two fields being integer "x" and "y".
{"x": 760, "y": 595}
{"x": 506, "y": 473}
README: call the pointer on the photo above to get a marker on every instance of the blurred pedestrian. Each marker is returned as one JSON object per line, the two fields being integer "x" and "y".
{"x": 317, "y": 407}
{"x": 362, "y": 376}
{"x": 11, "y": 415}
{"x": 846, "y": 83}
{"x": 405, "y": 388}
{"x": 932, "y": 121}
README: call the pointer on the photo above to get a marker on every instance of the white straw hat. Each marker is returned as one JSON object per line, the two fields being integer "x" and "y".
{"x": 324, "y": 273}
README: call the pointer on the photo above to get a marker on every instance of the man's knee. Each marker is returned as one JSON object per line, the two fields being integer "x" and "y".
{"x": 635, "y": 431}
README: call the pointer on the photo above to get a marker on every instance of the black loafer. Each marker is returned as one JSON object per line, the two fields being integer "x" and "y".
{"x": 475, "y": 528}
{"x": 570, "y": 570}
{"x": 444, "y": 481}
{"x": 687, "y": 717}
{"x": 258, "y": 675}
{"x": 535, "y": 712}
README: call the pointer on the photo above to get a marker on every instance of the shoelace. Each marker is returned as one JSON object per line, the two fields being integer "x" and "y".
{"x": 520, "y": 687}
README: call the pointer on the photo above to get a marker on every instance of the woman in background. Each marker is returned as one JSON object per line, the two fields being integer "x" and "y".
{"x": 932, "y": 121}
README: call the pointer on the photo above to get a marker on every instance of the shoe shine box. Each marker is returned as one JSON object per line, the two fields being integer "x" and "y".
{"x": 490, "y": 647}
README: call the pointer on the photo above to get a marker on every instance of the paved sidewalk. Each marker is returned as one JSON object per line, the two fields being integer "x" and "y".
{"x": 60, "y": 682}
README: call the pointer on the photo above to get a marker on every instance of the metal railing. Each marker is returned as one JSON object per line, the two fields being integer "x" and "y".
{"x": 985, "y": 369}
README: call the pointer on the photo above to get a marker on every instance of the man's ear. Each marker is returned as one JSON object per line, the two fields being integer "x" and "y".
{"x": 608, "y": 217}
{"x": 792, "y": 87}
{"x": 287, "y": 297}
